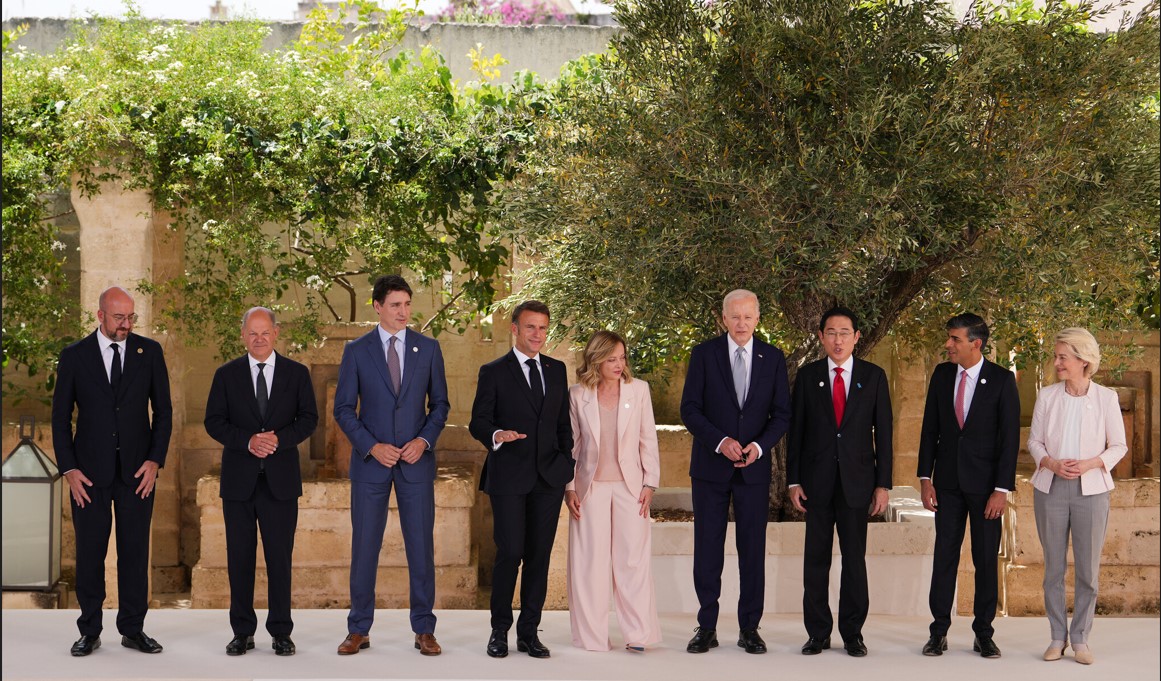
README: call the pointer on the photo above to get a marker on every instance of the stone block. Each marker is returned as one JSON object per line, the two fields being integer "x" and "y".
{"x": 674, "y": 444}
{"x": 36, "y": 600}
{"x": 1148, "y": 491}
{"x": 675, "y": 498}
{"x": 1124, "y": 590}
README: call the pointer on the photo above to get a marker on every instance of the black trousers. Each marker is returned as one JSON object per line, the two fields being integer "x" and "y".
{"x": 826, "y": 510}
{"x": 524, "y": 526}
{"x": 953, "y": 513}
{"x": 93, "y": 525}
{"x": 278, "y": 520}
{"x": 711, "y": 503}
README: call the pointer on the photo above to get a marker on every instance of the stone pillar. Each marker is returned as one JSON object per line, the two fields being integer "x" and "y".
{"x": 120, "y": 246}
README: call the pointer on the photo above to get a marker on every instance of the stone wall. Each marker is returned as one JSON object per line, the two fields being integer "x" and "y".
{"x": 322, "y": 548}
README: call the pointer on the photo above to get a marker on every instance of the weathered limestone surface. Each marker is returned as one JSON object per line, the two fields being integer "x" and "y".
{"x": 322, "y": 547}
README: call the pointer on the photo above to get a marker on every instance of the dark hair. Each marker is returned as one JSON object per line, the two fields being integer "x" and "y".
{"x": 386, "y": 284}
{"x": 529, "y": 306}
{"x": 976, "y": 327}
{"x": 838, "y": 311}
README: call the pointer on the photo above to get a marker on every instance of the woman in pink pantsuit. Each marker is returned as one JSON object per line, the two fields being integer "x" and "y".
{"x": 617, "y": 470}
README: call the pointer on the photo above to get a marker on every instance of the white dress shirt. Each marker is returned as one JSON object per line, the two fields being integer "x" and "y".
{"x": 969, "y": 389}
{"x": 748, "y": 360}
{"x": 846, "y": 367}
{"x": 107, "y": 353}
{"x": 400, "y": 346}
{"x": 522, "y": 358}
{"x": 267, "y": 371}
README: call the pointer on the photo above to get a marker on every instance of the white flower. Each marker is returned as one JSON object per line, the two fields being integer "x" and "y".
{"x": 253, "y": 94}
{"x": 58, "y": 246}
{"x": 59, "y": 73}
{"x": 209, "y": 225}
{"x": 188, "y": 122}
{"x": 315, "y": 283}
{"x": 159, "y": 76}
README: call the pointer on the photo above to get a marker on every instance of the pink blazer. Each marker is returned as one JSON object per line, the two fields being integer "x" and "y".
{"x": 1102, "y": 433}
{"x": 637, "y": 451}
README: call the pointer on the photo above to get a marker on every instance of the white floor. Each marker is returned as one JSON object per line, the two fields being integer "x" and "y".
{"x": 36, "y": 644}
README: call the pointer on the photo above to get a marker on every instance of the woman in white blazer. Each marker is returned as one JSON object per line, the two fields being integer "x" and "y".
{"x": 617, "y": 470}
{"x": 1077, "y": 436}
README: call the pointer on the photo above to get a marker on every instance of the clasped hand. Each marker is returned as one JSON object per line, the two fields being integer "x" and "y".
{"x": 741, "y": 456}
{"x": 389, "y": 455}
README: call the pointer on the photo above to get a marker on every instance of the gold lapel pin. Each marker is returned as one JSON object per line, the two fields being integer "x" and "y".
{"x": 140, "y": 351}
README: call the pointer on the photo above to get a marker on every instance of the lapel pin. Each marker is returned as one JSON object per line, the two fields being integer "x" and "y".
{"x": 626, "y": 405}
{"x": 859, "y": 385}
{"x": 983, "y": 380}
{"x": 761, "y": 356}
{"x": 822, "y": 384}
{"x": 139, "y": 351}
{"x": 414, "y": 348}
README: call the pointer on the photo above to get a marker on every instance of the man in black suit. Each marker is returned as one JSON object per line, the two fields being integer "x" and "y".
{"x": 967, "y": 466}
{"x": 261, "y": 406}
{"x": 521, "y": 415}
{"x": 838, "y": 465}
{"x": 112, "y": 379}
{"x": 736, "y": 405}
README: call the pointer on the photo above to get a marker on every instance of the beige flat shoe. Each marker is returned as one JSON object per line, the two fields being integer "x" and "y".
{"x": 1083, "y": 656}
{"x": 1055, "y": 651}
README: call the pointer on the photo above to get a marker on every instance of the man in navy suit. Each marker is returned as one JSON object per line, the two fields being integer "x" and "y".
{"x": 261, "y": 406}
{"x": 521, "y": 416}
{"x": 967, "y": 465}
{"x": 112, "y": 378}
{"x": 736, "y": 404}
{"x": 838, "y": 466}
{"x": 395, "y": 378}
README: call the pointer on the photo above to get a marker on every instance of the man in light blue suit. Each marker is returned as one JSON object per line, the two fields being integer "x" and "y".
{"x": 396, "y": 379}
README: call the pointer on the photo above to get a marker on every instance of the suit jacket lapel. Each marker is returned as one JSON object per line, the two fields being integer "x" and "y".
{"x": 246, "y": 386}
{"x": 96, "y": 363}
{"x": 725, "y": 366}
{"x": 274, "y": 388}
{"x": 623, "y": 409}
{"x": 591, "y": 409}
{"x": 133, "y": 354}
{"x": 981, "y": 386}
{"x": 854, "y": 387}
{"x": 518, "y": 376}
{"x": 413, "y": 352}
{"x": 378, "y": 357}
{"x": 757, "y": 365}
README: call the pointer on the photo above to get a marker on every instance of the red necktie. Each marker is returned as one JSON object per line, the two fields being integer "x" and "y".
{"x": 839, "y": 396}
{"x": 959, "y": 395}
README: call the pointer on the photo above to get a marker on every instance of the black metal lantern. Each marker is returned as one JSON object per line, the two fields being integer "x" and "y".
{"x": 32, "y": 489}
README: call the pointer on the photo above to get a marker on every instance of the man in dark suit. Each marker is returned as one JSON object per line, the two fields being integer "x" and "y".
{"x": 967, "y": 465}
{"x": 736, "y": 404}
{"x": 112, "y": 378}
{"x": 838, "y": 465}
{"x": 395, "y": 378}
{"x": 261, "y": 406}
{"x": 521, "y": 415}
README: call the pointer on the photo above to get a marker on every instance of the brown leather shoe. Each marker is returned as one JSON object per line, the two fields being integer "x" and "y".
{"x": 353, "y": 643}
{"x": 427, "y": 645}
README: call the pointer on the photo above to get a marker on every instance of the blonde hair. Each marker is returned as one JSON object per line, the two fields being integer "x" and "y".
{"x": 599, "y": 348}
{"x": 1084, "y": 346}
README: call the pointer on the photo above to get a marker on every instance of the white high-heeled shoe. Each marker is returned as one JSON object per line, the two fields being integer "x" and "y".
{"x": 1083, "y": 655}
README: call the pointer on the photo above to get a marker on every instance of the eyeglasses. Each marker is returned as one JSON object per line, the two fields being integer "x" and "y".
{"x": 121, "y": 318}
{"x": 831, "y": 335}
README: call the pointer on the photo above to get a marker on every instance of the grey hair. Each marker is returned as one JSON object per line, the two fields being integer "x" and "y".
{"x": 1084, "y": 346}
{"x": 740, "y": 294}
{"x": 268, "y": 311}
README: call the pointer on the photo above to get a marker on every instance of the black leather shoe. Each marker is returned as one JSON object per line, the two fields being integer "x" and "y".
{"x": 986, "y": 647}
{"x": 140, "y": 641}
{"x": 935, "y": 646}
{"x": 239, "y": 645}
{"x": 282, "y": 644}
{"x": 498, "y": 644}
{"x": 532, "y": 646}
{"x": 85, "y": 645}
{"x": 751, "y": 641}
{"x": 703, "y": 639}
{"x": 814, "y": 646}
{"x": 855, "y": 647}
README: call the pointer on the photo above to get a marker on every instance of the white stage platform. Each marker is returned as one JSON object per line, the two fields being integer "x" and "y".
{"x": 36, "y": 645}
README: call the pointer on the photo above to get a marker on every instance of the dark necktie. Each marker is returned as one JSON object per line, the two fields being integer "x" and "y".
{"x": 393, "y": 365}
{"x": 115, "y": 369}
{"x": 839, "y": 396}
{"x": 263, "y": 391}
{"x": 535, "y": 382}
